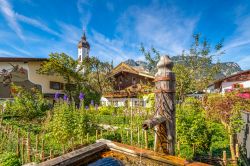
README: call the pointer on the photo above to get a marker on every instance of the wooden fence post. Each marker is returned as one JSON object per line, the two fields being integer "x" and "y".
{"x": 18, "y": 143}
{"x": 23, "y": 159}
{"x": 101, "y": 133}
{"x": 237, "y": 150}
{"x": 127, "y": 136}
{"x": 87, "y": 137}
{"x": 42, "y": 151}
{"x": 37, "y": 143}
{"x": 224, "y": 157}
{"x": 121, "y": 136}
{"x": 138, "y": 136}
{"x": 96, "y": 135}
{"x": 28, "y": 148}
{"x": 179, "y": 149}
{"x": 63, "y": 149}
{"x": 81, "y": 140}
{"x": 232, "y": 148}
{"x": 72, "y": 143}
{"x": 51, "y": 154}
{"x": 146, "y": 139}
{"x": 131, "y": 136}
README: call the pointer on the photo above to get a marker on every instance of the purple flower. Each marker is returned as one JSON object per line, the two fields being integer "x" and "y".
{"x": 87, "y": 107}
{"x": 92, "y": 102}
{"x": 65, "y": 98}
{"x": 81, "y": 96}
{"x": 56, "y": 96}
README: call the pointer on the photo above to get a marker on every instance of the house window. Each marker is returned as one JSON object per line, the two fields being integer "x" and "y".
{"x": 133, "y": 80}
{"x": 56, "y": 85}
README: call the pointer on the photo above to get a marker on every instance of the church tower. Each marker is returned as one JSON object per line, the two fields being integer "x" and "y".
{"x": 83, "y": 48}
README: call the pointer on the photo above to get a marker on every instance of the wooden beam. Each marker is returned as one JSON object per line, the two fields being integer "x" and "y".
{"x": 78, "y": 157}
{"x": 149, "y": 124}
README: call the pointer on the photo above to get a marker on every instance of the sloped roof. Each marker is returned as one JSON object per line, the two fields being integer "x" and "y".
{"x": 234, "y": 75}
{"x": 21, "y": 59}
{"x": 123, "y": 67}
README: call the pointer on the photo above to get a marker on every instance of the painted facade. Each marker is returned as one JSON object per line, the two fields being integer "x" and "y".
{"x": 23, "y": 72}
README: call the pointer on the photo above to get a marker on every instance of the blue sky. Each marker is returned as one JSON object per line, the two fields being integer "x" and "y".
{"x": 115, "y": 29}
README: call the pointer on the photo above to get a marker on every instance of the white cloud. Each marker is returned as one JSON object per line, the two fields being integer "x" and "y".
{"x": 245, "y": 62}
{"x": 21, "y": 50}
{"x": 84, "y": 9}
{"x": 109, "y": 49}
{"x": 238, "y": 43}
{"x": 10, "y": 17}
{"x": 36, "y": 23}
{"x": 69, "y": 33}
{"x": 241, "y": 36}
{"x": 160, "y": 26}
{"x": 5, "y": 53}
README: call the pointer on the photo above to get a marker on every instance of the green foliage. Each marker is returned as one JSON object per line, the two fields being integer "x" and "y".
{"x": 114, "y": 136}
{"x": 152, "y": 57}
{"x": 110, "y": 110}
{"x": 26, "y": 104}
{"x": 226, "y": 109}
{"x": 67, "y": 122}
{"x": 194, "y": 71}
{"x": 90, "y": 76}
{"x": 90, "y": 95}
{"x": 63, "y": 65}
{"x": 96, "y": 74}
{"x": 9, "y": 159}
{"x": 192, "y": 127}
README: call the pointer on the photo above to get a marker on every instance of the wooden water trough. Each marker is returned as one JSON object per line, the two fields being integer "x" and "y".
{"x": 128, "y": 155}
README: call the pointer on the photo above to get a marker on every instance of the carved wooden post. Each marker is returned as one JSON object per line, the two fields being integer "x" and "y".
{"x": 165, "y": 105}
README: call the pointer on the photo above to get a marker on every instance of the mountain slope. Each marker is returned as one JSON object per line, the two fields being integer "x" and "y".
{"x": 227, "y": 68}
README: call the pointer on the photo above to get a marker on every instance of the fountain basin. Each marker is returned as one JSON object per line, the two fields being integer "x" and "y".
{"x": 128, "y": 155}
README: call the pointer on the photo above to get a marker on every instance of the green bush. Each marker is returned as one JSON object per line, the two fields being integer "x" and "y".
{"x": 9, "y": 159}
{"x": 195, "y": 129}
{"x": 67, "y": 122}
{"x": 26, "y": 104}
{"x": 110, "y": 110}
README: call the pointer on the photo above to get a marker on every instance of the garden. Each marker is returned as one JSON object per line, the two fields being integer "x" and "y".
{"x": 32, "y": 129}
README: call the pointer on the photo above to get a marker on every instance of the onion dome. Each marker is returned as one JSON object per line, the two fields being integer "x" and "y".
{"x": 83, "y": 42}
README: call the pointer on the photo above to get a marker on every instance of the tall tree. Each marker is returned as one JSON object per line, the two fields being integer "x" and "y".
{"x": 65, "y": 66}
{"x": 96, "y": 74}
{"x": 194, "y": 71}
{"x": 90, "y": 75}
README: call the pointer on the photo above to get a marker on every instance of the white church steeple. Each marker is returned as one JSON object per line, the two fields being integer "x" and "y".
{"x": 83, "y": 48}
